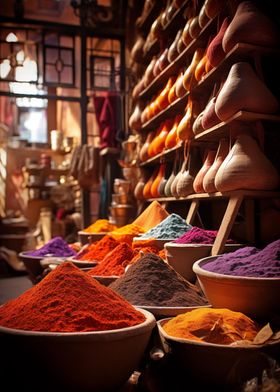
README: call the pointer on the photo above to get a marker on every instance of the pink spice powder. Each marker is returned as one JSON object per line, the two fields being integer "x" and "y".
{"x": 197, "y": 235}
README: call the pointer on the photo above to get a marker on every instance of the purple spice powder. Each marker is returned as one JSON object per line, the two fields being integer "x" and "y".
{"x": 249, "y": 261}
{"x": 197, "y": 235}
{"x": 55, "y": 247}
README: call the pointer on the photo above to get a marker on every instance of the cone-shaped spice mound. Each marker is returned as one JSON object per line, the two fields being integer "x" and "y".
{"x": 68, "y": 300}
{"x": 152, "y": 282}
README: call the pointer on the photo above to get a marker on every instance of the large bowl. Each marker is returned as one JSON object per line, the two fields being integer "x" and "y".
{"x": 222, "y": 367}
{"x": 86, "y": 238}
{"x": 77, "y": 361}
{"x": 255, "y": 297}
{"x": 182, "y": 256}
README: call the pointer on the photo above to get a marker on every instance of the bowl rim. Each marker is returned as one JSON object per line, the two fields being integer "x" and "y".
{"x": 28, "y": 256}
{"x": 196, "y": 245}
{"x": 199, "y": 271}
{"x": 93, "y": 263}
{"x": 103, "y": 233}
{"x": 168, "y": 338}
{"x": 109, "y": 335}
{"x": 171, "y": 311}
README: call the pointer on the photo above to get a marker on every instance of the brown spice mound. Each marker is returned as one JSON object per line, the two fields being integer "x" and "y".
{"x": 152, "y": 282}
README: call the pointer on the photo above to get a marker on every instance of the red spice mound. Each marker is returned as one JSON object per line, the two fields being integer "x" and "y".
{"x": 115, "y": 261}
{"x": 98, "y": 250}
{"x": 68, "y": 300}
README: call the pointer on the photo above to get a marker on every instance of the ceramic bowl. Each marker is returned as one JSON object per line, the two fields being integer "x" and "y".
{"x": 87, "y": 238}
{"x": 255, "y": 297}
{"x": 76, "y": 361}
{"x": 219, "y": 366}
{"x": 182, "y": 256}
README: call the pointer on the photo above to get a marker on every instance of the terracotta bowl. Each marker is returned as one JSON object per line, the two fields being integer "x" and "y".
{"x": 216, "y": 365}
{"x": 77, "y": 361}
{"x": 182, "y": 256}
{"x": 86, "y": 238}
{"x": 255, "y": 297}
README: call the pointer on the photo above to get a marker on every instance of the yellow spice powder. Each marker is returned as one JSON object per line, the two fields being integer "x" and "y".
{"x": 127, "y": 232}
{"x": 220, "y": 326}
{"x": 100, "y": 226}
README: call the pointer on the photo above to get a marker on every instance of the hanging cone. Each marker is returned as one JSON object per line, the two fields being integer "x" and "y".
{"x": 243, "y": 90}
{"x": 208, "y": 162}
{"x": 215, "y": 52}
{"x": 250, "y": 25}
{"x": 209, "y": 178}
{"x": 246, "y": 167}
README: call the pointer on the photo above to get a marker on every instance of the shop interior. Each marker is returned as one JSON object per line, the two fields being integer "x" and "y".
{"x": 117, "y": 116}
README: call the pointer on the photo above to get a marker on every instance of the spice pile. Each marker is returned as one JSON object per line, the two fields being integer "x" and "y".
{"x": 220, "y": 326}
{"x": 68, "y": 300}
{"x": 116, "y": 261}
{"x": 98, "y": 250}
{"x": 151, "y": 216}
{"x": 55, "y": 247}
{"x": 196, "y": 235}
{"x": 152, "y": 282}
{"x": 100, "y": 226}
{"x": 249, "y": 261}
{"x": 171, "y": 227}
{"x": 127, "y": 232}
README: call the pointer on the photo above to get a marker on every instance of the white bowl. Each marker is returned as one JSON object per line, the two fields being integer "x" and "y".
{"x": 209, "y": 365}
{"x": 76, "y": 361}
{"x": 255, "y": 297}
{"x": 182, "y": 256}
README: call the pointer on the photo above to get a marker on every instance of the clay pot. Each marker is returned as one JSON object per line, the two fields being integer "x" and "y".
{"x": 200, "y": 69}
{"x": 180, "y": 45}
{"x": 172, "y": 52}
{"x": 172, "y": 137}
{"x": 208, "y": 162}
{"x": 175, "y": 181}
{"x": 138, "y": 190}
{"x": 157, "y": 181}
{"x": 137, "y": 89}
{"x": 209, "y": 178}
{"x": 143, "y": 154}
{"x": 203, "y": 19}
{"x": 180, "y": 90}
{"x": 149, "y": 76}
{"x": 184, "y": 129}
{"x": 163, "y": 181}
{"x": 160, "y": 139}
{"x": 162, "y": 99}
{"x": 167, "y": 188}
{"x": 195, "y": 28}
{"x": 172, "y": 92}
{"x": 147, "y": 188}
{"x": 184, "y": 185}
{"x": 153, "y": 143}
{"x": 243, "y": 90}
{"x": 197, "y": 126}
{"x": 186, "y": 37}
{"x": 189, "y": 73}
{"x": 135, "y": 119}
{"x": 246, "y": 167}
{"x": 215, "y": 52}
{"x": 243, "y": 28}
{"x": 213, "y": 7}
{"x": 137, "y": 49}
{"x": 163, "y": 60}
{"x": 209, "y": 117}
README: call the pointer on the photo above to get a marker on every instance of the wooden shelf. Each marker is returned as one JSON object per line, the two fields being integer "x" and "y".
{"x": 171, "y": 111}
{"x": 222, "y": 129}
{"x": 225, "y": 195}
{"x": 174, "y": 67}
{"x": 240, "y": 52}
{"x": 166, "y": 155}
{"x": 45, "y": 171}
